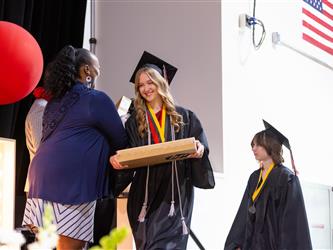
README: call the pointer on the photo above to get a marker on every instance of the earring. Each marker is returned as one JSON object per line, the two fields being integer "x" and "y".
{"x": 88, "y": 79}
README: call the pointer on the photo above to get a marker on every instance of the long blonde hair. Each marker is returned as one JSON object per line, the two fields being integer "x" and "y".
{"x": 167, "y": 99}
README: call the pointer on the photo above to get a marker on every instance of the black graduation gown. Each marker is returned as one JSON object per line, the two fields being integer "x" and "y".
{"x": 158, "y": 231}
{"x": 280, "y": 220}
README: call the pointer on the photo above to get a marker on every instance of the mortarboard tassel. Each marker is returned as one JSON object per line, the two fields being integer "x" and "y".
{"x": 165, "y": 74}
{"x": 293, "y": 163}
{"x": 143, "y": 212}
{"x": 172, "y": 206}
{"x": 185, "y": 231}
{"x": 172, "y": 209}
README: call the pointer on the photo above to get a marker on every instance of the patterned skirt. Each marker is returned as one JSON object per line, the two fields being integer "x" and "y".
{"x": 74, "y": 221}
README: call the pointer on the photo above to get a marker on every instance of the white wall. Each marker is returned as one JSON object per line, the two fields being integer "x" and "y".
{"x": 288, "y": 90}
{"x": 87, "y": 26}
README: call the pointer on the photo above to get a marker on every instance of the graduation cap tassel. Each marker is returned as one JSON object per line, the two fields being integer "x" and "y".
{"x": 172, "y": 209}
{"x": 172, "y": 206}
{"x": 185, "y": 231}
{"x": 165, "y": 74}
{"x": 143, "y": 212}
{"x": 293, "y": 163}
{"x": 174, "y": 167}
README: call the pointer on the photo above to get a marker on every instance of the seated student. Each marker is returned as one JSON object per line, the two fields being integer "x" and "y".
{"x": 272, "y": 212}
{"x": 161, "y": 197}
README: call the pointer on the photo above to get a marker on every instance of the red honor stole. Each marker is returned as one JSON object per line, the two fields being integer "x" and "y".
{"x": 157, "y": 124}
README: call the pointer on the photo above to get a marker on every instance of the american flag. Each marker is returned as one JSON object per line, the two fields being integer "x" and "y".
{"x": 318, "y": 23}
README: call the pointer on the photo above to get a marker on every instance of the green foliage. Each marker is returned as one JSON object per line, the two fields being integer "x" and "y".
{"x": 110, "y": 241}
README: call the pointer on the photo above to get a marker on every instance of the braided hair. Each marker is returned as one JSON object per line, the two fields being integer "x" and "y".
{"x": 61, "y": 74}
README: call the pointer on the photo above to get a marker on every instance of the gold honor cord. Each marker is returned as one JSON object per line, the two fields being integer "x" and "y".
{"x": 258, "y": 189}
{"x": 161, "y": 128}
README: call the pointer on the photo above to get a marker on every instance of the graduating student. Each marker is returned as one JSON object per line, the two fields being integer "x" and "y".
{"x": 272, "y": 213}
{"x": 161, "y": 197}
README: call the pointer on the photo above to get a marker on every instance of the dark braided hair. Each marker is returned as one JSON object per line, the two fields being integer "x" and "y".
{"x": 61, "y": 74}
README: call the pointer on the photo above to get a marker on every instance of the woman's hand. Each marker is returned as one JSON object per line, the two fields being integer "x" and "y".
{"x": 200, "y": 150}
{"x": 115, "y": 163}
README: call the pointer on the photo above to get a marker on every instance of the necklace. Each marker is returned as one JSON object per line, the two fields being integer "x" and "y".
{"x": 259, "y": 187}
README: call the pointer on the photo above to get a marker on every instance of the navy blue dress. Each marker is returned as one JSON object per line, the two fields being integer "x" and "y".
{"x": 80, "y": 132}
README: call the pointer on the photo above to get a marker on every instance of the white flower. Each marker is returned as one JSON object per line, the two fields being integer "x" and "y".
{"x": 47, "y": 237}
{"x": 11, "y": 237}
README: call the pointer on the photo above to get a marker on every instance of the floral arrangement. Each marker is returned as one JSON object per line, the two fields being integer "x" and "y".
{"x": 47, "y": 235}
{"x": 10, "y": 239}
{"x": 110, "y": 241}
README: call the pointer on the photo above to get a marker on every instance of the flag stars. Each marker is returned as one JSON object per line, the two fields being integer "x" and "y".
{"x": 317, "y": 4}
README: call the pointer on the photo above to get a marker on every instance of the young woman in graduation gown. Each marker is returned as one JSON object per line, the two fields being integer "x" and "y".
{"x": 161, "y": 197}
{"x": 272, "y": 213}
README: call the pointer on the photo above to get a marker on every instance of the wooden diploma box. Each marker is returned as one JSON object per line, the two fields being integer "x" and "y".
{"x": 157, "y": 153}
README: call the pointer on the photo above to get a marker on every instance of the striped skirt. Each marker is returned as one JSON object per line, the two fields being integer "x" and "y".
{"x": 74, "y": 221}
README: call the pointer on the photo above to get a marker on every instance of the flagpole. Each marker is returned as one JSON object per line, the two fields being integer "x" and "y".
{"x": 277, "y": 41}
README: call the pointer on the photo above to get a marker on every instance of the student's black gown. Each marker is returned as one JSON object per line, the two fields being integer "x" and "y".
{"x": 159, "y": 231}
{"x": 280, "y": 220}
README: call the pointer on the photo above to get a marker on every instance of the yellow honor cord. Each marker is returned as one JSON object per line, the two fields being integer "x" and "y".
{"x": 258, "y": 189}
{"x": 161, "y": 128}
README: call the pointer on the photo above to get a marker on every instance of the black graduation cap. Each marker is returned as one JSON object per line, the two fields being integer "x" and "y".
{"x": 149, "y": 60}
{"x": 282, "y": 139}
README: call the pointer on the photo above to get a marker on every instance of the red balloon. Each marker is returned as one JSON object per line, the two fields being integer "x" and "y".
{"x": 21, "y": 63}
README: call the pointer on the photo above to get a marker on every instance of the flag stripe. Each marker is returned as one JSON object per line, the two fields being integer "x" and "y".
{"x": 330, "y": 5}
{"x": 318, "y": 44}
{"x": 317, "y": 26}
{"x": 329, "y": 15}
{"x": 317, "y": 19}
{"x": 310, "y": 33}
{"x": 317, "y": 37}
{"x": 317, "y": 23}
{"x": 317, "y": 31}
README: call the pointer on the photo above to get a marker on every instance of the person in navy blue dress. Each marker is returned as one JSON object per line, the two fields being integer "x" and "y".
{"x": 81, "y": 129}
